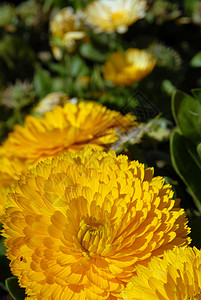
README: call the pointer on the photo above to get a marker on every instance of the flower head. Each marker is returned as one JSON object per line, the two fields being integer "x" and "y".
{"x": 70, "y": 127}
{"x": 51, "y": 101}
{"x": 177, "y": 277}
{"x": 126, "y": 68}
{"x": 114, "y": 15}
{"x": 66, "y": 27}
{"x": 77, "y": 225}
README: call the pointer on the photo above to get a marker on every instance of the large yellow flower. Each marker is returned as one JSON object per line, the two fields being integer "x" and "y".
{"x": 77, "y": 225}
{"x": 67, "y": 28}
{"x": 114, "y": 15}
{"x": 128, "y": 67}
{"x": 70, "y": 127}
{"x": 175, "y": 277}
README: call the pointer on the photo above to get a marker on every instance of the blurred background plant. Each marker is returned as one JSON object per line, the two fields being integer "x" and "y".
{"x": 53, "y": 47}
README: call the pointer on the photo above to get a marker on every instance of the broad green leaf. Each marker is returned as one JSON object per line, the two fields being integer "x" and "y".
{"x": 187, "y": 114}
{"x": 78, "y": 67}
{"x": 47, "y": 5}
{"x": 42, "y": 82}
{"x": 187, "y": 164}
{"x": 14, "y": 289}
{"x": 62, "y": 70}
{"x": 196, "y": 60}
{"x": 92, "y": 53}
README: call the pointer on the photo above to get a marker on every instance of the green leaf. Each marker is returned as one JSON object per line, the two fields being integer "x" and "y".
{"x": 15, "y": 291}
{"x": 198, "y": 148}
{"x": 196, "y": 60}
{"x": 78, "y": 67}
{"x": 42, "y": 82}
{"x": 187, "y": 165}
{"x": 196, "y": 93}
{"x": 187, "y": 114}
{"x": 2, "y": 247}
{"x": 4, "y": 267}
{"x": 60, "y": 69}
{"x": 190, "y": 5}
{"x": 90, "y": 52}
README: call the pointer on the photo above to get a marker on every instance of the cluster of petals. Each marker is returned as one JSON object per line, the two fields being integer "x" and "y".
{"x": 66, "y": 28}
{"x": 73, "y": 126}
{"x": 124, "y": 68}
{"x": 114, "y": 15}
{"x": 10, "y": 171}
{"x": 177, "y": 276}
{"x": 78, "y": 225}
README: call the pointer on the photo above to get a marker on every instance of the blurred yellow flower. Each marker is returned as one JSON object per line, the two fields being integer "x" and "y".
{"x": 66, "y": 27}
{"x": 51, "y": 101}
{"x": 114, "y": 15}
{"x": 175, "y": 277}
{"x": 3, "y": 195}
{"x": 77, "y": 225}
{"x": 73, "y": 126}
{"x": 11, "y": 168}
{"x": 128, "y": 67}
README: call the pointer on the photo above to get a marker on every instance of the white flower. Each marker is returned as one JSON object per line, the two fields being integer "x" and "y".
{"x": 114, "y": 15}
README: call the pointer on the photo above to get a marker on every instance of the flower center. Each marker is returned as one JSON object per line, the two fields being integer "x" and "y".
{"x": 91, "y": 235}
{"x": 117, "y": 16}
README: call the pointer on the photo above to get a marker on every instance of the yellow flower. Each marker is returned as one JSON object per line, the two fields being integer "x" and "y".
{"x": 51, "y": 101}
{"x": 126, "y": 68}
{"x": 175, "y": 277}
{"x": 114, "y": 15}
{"x": 77, "y": 225}
{"x": 9, "y": 172}
{"x": 66, "y": 26}
{"x": 70, "y": 127}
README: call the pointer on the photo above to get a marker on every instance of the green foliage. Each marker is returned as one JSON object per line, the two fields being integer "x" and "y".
{"x": 187, "y": 114}
{"x": 2, "y": 247}
{"x": 185, "y": 143}
{"x": 15, "y": 291}
{"x": 187, "y": 165}
{"x": 88, "y": 51}
{"x": 16, "y": 58}
{"x": 5, "y": 270}
{"x": 31, "y": 13}
{"x": 196, "y": 60}
{"x": 8, "y": 17}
